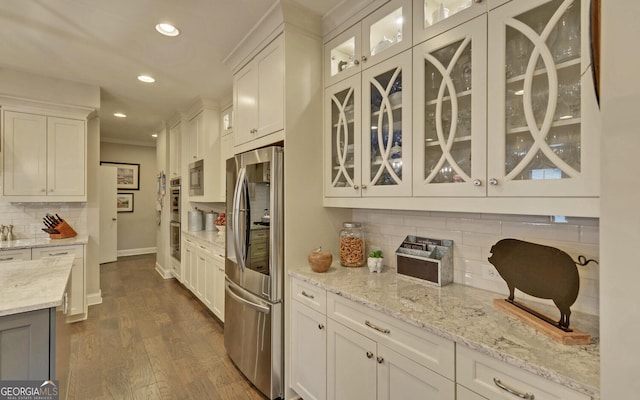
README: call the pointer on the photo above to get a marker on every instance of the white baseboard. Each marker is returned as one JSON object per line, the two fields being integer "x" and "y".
{"x": 94, "y": 298}
{"x": 136, "y": 252}
{"x": 164, "y": 273}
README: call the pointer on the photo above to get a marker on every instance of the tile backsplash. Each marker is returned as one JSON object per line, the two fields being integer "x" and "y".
{"x": 473, "y": 236}
{"x": 26, "y": 218}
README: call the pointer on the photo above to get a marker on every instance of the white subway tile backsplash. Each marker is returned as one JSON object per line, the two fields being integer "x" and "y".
{"x": 475, "y": 234}
{"x": 27, "y": 218}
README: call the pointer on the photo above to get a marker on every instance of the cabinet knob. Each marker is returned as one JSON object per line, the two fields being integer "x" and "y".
{"x": 477, "y": 182}
{"x": 364, "y": 58}
{"x": 379, "y": 359}
{"x": 369, "y": 354}
{"x": 356, "y": 187}
{"x": 43, "y": 190}
{"x": 493, "y": 182}
{"x": 320, "y": 326}
{"x": 477, "y": 1}
{"x": 356, "y": 62}
{"x": 364, "y": 186}
{"x": 113, "y": 219}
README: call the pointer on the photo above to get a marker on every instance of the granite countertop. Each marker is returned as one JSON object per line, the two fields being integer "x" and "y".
{"x": 216, "y": 238}
{"x": 33, "y": 285}
{"x": 467, "y": 316}
{"x": 42, "y": 242}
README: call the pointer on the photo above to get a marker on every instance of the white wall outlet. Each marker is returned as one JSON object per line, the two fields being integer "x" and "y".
{"x": 489, "y": 272}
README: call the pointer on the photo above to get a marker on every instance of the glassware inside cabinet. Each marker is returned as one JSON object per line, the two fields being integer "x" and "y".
{"x": 343, "y": 56}
{"x": 435, "y": 11}
{"x": 342, "y": 138}
{"x": 386, "y": 128}
{"x": 386, "y": 32}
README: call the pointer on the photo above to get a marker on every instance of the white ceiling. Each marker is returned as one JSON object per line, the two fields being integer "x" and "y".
{"x": 108, "y": 43}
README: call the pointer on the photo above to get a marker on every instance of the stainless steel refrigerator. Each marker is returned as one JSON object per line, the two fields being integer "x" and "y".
{"x": 254, "y": 268}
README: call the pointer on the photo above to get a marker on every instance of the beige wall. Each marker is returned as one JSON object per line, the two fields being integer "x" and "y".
{"x": 136, "y": 230}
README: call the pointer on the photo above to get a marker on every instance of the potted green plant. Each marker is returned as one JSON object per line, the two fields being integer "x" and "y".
{"x": 374, "y": 262}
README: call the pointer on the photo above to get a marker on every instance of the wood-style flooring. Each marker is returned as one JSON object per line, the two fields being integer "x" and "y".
{"x": 150, "y": 339}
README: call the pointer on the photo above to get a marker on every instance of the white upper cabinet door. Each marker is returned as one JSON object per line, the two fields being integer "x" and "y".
{"x": 66, "y": 157}
{"x": 343, "y": 139}
{"x": 543, "y": 117}
{"x": 245, "y": 102}
{"x": 175, "y": 150}
{"x": 25, "y": 154}
{"x": 431, "y": 18}
{"x": 449, "y": 124}
{"x": 271, "y": 89}
{"x": 386, "y": 128}
{"x": 342, "y": 56}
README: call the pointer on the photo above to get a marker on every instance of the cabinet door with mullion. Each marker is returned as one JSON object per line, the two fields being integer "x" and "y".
{"x": 343, "y": 167}
{"x": 386, "y": 128}
{"x": 543, "y": 120}
{"x": 449, "y": 124}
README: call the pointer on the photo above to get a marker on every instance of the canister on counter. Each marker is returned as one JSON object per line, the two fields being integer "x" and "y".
{"x": 352, "y": 252}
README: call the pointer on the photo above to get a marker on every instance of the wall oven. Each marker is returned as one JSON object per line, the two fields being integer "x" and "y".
{"x": 196, "y": 178}
{"x": 174, "y": 225}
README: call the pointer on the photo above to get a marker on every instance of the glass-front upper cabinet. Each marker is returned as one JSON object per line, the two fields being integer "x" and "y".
{"x": 449, "y": 123}
{"x": 384, "y": 33}
{"x": 432, "y": 17}
{"x": 542, "y": 111}
{"x": 386, "y": 128}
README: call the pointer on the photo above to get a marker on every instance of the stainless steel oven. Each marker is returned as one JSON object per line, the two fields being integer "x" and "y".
{"x": 174, "y": 225}
{"x": 196, "y": 178}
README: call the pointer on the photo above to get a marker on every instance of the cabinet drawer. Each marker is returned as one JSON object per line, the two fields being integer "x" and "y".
{"x": 309, "y": 295}
{"x": 483, "y": 374}
{"x": 15, "y": 255}
{"x": 259, "y": 234}
{"x": 432, "y": 351}
{"x": 39, "y": 252}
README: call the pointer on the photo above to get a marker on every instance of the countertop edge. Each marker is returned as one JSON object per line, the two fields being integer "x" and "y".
{"x": 458, "y": 339}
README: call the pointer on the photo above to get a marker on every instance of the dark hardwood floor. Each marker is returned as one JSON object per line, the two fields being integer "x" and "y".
{"x": 150, "y": 339}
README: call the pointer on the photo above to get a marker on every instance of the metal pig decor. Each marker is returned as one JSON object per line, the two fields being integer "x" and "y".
{"x": 540, "y": 271}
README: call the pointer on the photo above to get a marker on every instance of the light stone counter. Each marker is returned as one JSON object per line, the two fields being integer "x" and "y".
{"x": 466, "y": 315}
{"x": 41, "y": 242}
{"x": 214, "y": 238}
{"x": 33, "y": 285}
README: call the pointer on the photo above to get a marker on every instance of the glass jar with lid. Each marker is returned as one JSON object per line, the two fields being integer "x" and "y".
{"x": 352, "y": 245}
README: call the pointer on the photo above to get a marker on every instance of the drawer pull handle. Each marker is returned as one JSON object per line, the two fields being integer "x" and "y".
{"x": 383, "y": 330}
{"x": 369, "y": 354}
{"x": 6, "y": 259}
{"x": 379, "y": 359}
{"x": 307, "y": 295}
{"x": 59, "y": 254}
{"x": 526, "y": 396}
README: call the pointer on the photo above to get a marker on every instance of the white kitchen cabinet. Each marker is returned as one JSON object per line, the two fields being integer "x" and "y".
{"x": 217, "y": 305}
{"x": 450, "y": 112}
{"x": 175, "y": 150}
{"x": 351, "y": 364}
{"x": 15, "y": 255}
{"x": 462, "y": 393}
{"x": 308, "y": 341}
{"x": 370, "y": 157}
{"x": 543, "y": 120}
{"x": 227, "y": 121}
{"x": 383, "y": 34}
{"x": 204, "y": 143}
{"x": 258, "y": 94}
{"x": 227, "y": 141}
{"x": 189, "y": 263}
{"x": 308, "y": 352}
{"x": 496, "y": 380}
{"x": 78, "y": 290}
{"x": 44, "y": 157}
{"x": 203, "y": 265}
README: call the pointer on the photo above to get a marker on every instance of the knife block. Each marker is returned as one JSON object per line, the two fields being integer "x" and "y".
{"x": 66, "y": 231}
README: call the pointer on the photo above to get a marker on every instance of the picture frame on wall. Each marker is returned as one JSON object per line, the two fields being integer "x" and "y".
{"x": 128, "y": 175}
{"x": 125, "y": 202}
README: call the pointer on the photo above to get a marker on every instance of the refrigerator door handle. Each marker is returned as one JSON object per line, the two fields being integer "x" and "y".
{"x": 235, "y": 221}
{"x": 239, "y": 299}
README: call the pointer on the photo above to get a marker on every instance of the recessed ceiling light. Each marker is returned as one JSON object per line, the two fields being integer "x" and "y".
{"x": 146, "y": 79}
{"x": 154, "y": 135}
{"x": 167, "y": 29}
{"x": 120, "y": 115}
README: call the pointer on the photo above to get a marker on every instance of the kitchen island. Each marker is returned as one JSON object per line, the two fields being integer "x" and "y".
{"x": 33, "y": 304}
{"x": 467, "y": 317}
